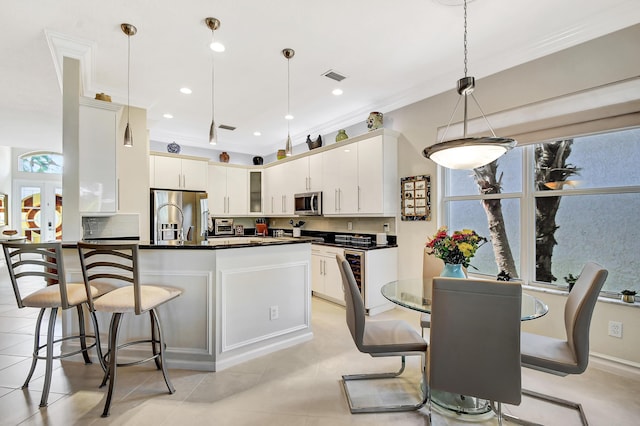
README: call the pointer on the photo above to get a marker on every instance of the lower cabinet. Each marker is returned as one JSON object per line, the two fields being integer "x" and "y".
{"x": 326, "y": 281}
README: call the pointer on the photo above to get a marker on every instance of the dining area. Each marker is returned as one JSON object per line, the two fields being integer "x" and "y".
{"x": 472, "y": 358}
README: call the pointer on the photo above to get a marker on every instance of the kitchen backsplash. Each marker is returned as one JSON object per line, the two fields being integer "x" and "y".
{"x": 116, "y": 226}
{"x": 366, "y": 225}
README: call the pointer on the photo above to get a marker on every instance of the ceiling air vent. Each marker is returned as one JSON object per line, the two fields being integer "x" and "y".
{"x": 225, "y": 127}
{"x": 334, "y": 75}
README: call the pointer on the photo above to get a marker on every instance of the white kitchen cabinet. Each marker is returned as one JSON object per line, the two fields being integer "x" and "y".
{"x": 326, "y": 281}
{"x": 174, "y": 172}
{"x": 280, "y": 189}
{"x": 380, "y": 267}
{"x": 340, "y": 181}
{"x": 306, "y": 173}
{"x": 97, "y": 172}
{"x": 228, "y": 190}
{"x": 361, "y": 178}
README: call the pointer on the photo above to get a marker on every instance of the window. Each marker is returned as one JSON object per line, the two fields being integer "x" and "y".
{"x": 554, "y": 206}
{"x": 40, "y": 162}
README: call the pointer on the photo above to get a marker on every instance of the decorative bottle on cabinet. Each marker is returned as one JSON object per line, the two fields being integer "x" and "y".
{"x": 224, "y": 157}
{"x": 342, "y": 135}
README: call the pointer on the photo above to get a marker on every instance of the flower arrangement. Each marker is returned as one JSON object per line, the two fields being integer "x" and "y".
{"x": 458, "y": 247}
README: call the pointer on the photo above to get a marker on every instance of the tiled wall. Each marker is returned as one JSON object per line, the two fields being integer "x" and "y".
{"x": 116, "y": 226}
{"x": 366, "y": 225}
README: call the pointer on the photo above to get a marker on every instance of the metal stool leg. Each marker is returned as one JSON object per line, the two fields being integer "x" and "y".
{"x": 36, "y": 348}
{"x": 96, "y": 331}
{"x": 113, "y": 362}
{"x": 49, "y": 362}
{"x": 154, "y": 340}
{"x": 162, "y": 346}
{"x": 83, "y": 335}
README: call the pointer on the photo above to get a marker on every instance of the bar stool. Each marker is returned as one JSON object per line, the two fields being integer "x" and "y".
{"x": 29, "y": 263}
{"x": 118, "y": 263}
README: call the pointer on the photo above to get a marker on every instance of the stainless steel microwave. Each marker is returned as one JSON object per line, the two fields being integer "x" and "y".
{"x": 308, "y": 204}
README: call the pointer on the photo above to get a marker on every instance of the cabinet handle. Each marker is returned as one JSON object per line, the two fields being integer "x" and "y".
{"x": 179, "y": 180}
{"x": 272, "y": 204}
{"x": 184, "y": 181}
{"x": 358, "y": 197}
{"x": 335, "y": 200}
{"x": 118, "y": 196}
{"x": 323, "y": 268}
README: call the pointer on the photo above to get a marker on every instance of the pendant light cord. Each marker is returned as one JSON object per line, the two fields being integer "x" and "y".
{"x": 212, "y": 75}
{"x": 288, "y": 96}
{"x": 465, "y": 38}
{"x": 128, "y": 76}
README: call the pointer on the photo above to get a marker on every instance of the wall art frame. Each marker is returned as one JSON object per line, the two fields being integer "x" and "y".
{"x": 415, "y": 198}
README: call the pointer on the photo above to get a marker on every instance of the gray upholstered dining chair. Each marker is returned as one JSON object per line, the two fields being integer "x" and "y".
{"x": 42, "y": 263}
{"x": 570, "y": 355}
{"x": 117, "y": 264}
{"x": 431, "y": 267}
{"x": 379, "y": 339}
{"x": 474, "y": 347}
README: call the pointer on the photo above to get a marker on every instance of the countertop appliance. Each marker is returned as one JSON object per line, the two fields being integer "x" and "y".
{"x": 261, "y": 227}
{"x": 178, "y": 216}
{"x": 308, "y": 204}
{"x": 223, "y": 226}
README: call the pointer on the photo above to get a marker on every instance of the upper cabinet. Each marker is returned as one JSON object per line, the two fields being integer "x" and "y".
{"x": 306, "y": 174}
{"x": 228, "y": 191}
{"x": 175, "y": 172}
{"x": 98, "y": 125}
{"x": 361, "y": 178}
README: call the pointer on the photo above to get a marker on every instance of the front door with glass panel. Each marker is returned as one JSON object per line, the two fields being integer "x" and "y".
{"x": 39, "y": 207}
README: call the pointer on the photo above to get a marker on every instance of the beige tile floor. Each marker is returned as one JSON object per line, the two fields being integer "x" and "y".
{"x": 298, "y": 386}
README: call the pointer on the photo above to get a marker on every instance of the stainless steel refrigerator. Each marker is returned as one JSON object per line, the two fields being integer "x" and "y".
{"x": 178, "y": 216}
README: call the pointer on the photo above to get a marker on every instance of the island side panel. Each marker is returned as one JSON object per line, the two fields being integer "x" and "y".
{"x": 188, "y": 321}
{"x": 253, "y": 282}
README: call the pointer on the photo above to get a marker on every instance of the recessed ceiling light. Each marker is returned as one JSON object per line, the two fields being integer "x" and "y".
{"x": 288, "y": 117}
{"x": 185, "y": 90}
{"x": 337, "y": 92}
{"x": 257, "y": 134}
{"x": 167, "y": 116}
{"x": 216, "y": 46}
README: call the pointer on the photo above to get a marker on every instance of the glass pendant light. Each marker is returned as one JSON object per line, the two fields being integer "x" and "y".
{"x": 288, "y": 148}
{"x": 468, "y": 152}
{"x": 213, "y": 25}
{"x": 129, "y": 30}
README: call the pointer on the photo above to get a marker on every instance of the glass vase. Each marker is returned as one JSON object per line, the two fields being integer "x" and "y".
{"x": 453, "y": 270}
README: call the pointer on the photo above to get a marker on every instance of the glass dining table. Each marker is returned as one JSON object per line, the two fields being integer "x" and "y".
{"x": 415, "y": 294}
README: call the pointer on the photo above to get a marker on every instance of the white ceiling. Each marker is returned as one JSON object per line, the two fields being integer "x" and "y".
{"x": 393, "y": 53}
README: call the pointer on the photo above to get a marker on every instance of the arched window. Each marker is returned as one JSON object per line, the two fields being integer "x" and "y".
{"x": 40, "y": 162}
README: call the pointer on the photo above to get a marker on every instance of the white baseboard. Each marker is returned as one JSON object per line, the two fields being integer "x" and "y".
{"x": 619, "y": 366}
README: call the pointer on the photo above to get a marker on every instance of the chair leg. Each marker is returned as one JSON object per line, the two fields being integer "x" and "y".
{"x": 424, "y": 390}
{"x": 36, "y": 348}
{"x": 96, "y": 330}
{"x": 154, "y": 340}
{"x": 558, "y": 401}
{"x": 83, "y": 335}
{"x": 49, "y": 361}
{"x": 162, "y": 348}
{"x": 113, "y": 362}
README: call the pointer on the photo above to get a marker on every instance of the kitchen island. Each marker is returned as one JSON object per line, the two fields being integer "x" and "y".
{"x": 240, "y": 300}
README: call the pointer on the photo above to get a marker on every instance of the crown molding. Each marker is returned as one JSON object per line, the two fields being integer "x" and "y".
{"x": 61, "y": 45}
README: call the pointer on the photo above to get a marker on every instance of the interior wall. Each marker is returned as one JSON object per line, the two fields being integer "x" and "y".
{"x": 5, "y": 180}
{"x": 585, "y": 66}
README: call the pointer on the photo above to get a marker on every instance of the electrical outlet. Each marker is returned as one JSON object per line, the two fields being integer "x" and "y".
{"x": 615, "y": 329}
{"x": 274, "y": 312}
{"x": 385, "y": 227}
{"x": 349, "y": 226}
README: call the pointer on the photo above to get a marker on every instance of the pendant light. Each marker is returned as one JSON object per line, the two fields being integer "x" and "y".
{"x": 129, "y": 30}
{"x": 467, "y": 152}
{"x": 288, "y": 149}
{"x": 213, "y": 25}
